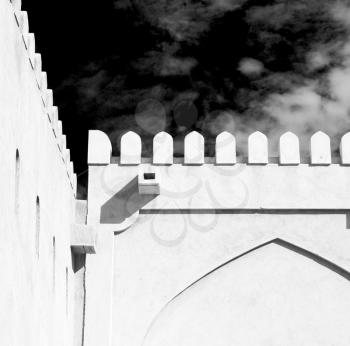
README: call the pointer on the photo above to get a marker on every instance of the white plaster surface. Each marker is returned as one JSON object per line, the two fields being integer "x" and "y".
{"x": 257, "y": 148}
{"x": 130, "y": 148}
{"x": 23, "y": 21}
{"x": 320, "y": 148}
{"x": 173, "y": 269}
{"x": 289, "y": 149}
{"x": 225, "y": 149}
{"x": 32, "y": 303}
{"x": 194, "y": 148}
{"x": 163, "y": 148}
{"x": 163, "y": 254}
{"x": 100, "y": 148}
{"x": 239, "y": 186}
{"x": 155, "y": 247}
{"x": 99, "y": 280}
{"x": 345, "y": 149}
{"x": 272, "y": 296}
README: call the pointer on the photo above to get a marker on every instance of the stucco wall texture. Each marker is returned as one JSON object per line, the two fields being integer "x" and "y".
{"x": 190, "y": 251}
{"x": 221, "y": 252}
{"x": 37, "y": 200}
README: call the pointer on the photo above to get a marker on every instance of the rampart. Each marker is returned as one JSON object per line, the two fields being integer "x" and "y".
{"x": 38, "y": 188}
{"x": 191, "y": 251}
{"x": 197, "y": 249}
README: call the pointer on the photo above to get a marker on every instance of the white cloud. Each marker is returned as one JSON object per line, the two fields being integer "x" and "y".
{"x": 251, "y": 67}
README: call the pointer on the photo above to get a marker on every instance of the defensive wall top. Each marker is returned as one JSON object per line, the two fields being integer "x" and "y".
{"x": 222, "y": 183}
{"x": 40, "y": 76}
{"x": 100, "y": 149}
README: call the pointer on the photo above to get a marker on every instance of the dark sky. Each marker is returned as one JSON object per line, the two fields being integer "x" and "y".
{"x": 236, "y": 65}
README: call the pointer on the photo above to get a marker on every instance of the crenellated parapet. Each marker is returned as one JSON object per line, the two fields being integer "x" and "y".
{"x": 168, "y": 224}
{"x": 224, "y": 183}
{"x": 46, "y": 95}
{"x": 320, "y": 154}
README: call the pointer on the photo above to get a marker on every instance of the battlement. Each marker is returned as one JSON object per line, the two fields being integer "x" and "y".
{"x": 225, "y": 149}
{"x": 46, "y": 94}
{"x": 181, "y": 219}
{"x": 195, "y": 183}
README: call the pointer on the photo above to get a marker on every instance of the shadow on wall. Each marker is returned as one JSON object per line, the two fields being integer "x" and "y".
{"x": 124, "y": 203}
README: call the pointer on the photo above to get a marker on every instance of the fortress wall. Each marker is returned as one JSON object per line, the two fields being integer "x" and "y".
{"x": 213, "y": 251}
{"x": 37, "y": 199}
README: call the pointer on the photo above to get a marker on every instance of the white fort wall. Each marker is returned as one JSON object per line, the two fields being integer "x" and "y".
{"x": 37, "y": 199}
{"x": 208, "y": 251}
{"x": 191, "y": 251}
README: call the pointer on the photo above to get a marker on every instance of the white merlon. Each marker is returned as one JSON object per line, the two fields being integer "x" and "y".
{"x": 22, "y": 17}
{"x": 59, "y": 128}
{"x": 70, "y": 167}
{"x": 43, "y": 81}
{"x": 67, "y": 155}
{"x": 99, "y": 148}
{"x": 75, "y": 183}
{"x": 29, "y": 40}
{"x": 257, "y": 148}
{"x": 48, "y": 97}
{"x": 37, "y": 63}
{"x": 225, "y": 149}
{"x": 40, "y": 77}
{"x": 345, "y": 149}
{"x": 320, "y": 149}
{"x": 130, "y": 149}
{"x": 59, "y": 134}
{"x": 163, "y": 148}
{"x": 194, "y": 149}
{"x": 53, "y": 115}
{"x": 26, "y": 37}
{"x": 289, "y": 149}
{"x": 63, "y": 143}
{"x": 17, "y": 4}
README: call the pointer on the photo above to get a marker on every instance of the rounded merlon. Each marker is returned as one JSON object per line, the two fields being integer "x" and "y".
{"x": 100, "y": 148}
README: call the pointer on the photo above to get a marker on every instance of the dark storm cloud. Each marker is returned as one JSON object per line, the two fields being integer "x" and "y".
{"x": 243, "y": 65}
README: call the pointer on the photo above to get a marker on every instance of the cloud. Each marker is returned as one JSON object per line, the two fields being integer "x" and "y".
{"x": 242, "y": 65}
{"x": 226, "y": 5}
{"x": 251, "y": 67}
{"x": 321, "y": 102}
{"x": 176, "y": 66}
{"x": 150, "y": 115}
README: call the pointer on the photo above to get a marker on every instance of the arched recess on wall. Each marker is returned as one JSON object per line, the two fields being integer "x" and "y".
{"x": 264, "y": 296}
{"x": 37, "y": 226}
{"x": 54, "y": 264}
{"x": 67, "y": 290}
{"x": 17, "y": 181}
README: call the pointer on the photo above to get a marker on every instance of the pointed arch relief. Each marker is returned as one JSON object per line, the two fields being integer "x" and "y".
{"x": 274, "y": 294}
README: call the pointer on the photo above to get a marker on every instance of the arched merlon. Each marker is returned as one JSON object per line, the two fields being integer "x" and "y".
{"x": 100, "y": 148}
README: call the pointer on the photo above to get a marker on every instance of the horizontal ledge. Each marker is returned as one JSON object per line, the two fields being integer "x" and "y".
{"x": 245, "y": 211}
{"x": 83, "y": 239}
{"x": 240, "y": 160}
